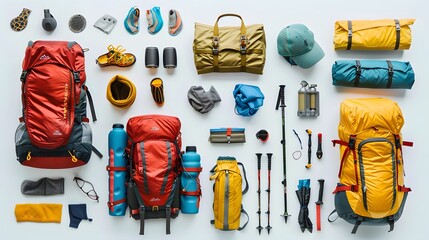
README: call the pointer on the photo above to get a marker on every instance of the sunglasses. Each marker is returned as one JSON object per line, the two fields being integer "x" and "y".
{"x": 87, "y": 188}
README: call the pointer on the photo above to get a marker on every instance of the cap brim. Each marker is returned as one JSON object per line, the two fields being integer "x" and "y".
{"x": 310, "y": 58}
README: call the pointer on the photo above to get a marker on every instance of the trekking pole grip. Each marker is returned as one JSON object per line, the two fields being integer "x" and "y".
{"x": 321, "y": 183}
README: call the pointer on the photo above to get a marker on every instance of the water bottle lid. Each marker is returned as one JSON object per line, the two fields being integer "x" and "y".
{"x": 191, "y": 149}
{"x": 118, "y": 125}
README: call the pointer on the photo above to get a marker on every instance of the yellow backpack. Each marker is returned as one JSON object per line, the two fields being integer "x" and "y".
{"x": 371, "y": 186}
{"x": 227, "y": 207}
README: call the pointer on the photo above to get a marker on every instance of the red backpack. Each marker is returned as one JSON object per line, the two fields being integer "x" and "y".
{"x": 54, "y": 130}
{"x": 154, "y": 148}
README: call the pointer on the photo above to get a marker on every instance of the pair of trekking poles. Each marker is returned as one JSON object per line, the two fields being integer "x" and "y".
{"x": 259, "y": 157}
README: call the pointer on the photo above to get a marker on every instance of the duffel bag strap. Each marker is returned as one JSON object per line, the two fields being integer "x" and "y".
{"x": 349, "y": 35}
{"x": 358, "y": 73}
{"x": 390, "y": 74}
{"x": 243, "y": 42}
{"x": 398, "y": 34}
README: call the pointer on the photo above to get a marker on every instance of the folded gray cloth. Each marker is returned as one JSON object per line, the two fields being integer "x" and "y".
{"x": 106, "y": 23}
{"x": 43, "y": 187}
{"x": 201, "y": 100}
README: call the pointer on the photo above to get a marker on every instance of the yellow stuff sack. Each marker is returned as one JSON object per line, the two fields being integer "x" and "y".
{"x": 227, "y": 207}
{"x": 229, "y": 48}
{"x": 385, "y": 34}
{"x": 371, "y": 188}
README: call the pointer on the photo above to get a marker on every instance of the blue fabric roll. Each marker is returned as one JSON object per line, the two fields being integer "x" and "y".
{"x": 248, "y": 99}
{"x": 373, "y": 74}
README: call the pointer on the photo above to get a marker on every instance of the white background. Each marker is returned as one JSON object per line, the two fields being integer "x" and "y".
{"x": 319, "y": 16}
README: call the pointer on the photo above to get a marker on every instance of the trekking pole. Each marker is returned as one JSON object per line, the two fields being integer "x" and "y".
{"x": 259, "y": 155}
{"x": 269, "y": 155}
{"x": 281, "y": 103}
{"x": 309, "y": 148}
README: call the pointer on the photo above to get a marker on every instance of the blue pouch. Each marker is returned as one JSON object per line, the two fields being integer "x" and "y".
{"x": 373, "y": 74}
{"x": 248, "y": 99}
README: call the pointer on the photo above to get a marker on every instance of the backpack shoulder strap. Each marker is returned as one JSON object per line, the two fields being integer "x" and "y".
{"x": 247, "y": 215}
{"x": 246, "y": 188}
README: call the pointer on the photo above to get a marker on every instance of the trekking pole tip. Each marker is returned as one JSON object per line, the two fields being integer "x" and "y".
{"x": 308, "y": 166}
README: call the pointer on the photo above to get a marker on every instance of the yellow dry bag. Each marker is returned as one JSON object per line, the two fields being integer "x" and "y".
{"x": 385, "y": 34}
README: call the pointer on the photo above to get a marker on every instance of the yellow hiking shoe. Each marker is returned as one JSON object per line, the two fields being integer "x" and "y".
{"x": 116, "y": 57}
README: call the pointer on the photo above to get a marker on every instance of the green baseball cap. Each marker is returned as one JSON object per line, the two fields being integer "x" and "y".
{"x": 297, "y": 45}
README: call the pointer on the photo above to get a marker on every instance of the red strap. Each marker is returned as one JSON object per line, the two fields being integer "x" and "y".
{"x": 109, "y": 168}
{"x": 404, "y": 189}
{"x": 407, "y": 143}
{"x": 112, "y": 204}
{"x": 85, "y": 119}
{"x": 193, "y": 169}
{"x": 353, "y": 188}
{"x": 195, "y": 193}
{"x": 228, "y": 131}
{"x": 334, "y": 142}
{"x": 135, "y": 211}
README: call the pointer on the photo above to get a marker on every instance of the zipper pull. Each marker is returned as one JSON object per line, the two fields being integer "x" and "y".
{"x": 29, "y": 156}
{"x": 74, "y": 159}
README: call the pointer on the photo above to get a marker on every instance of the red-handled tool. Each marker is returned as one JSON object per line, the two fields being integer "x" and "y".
{"x": 318, "y": 203}
{"x": 319, "y": 152}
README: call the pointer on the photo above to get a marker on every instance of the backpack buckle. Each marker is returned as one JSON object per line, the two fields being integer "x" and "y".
{"x": 23, "y": 76}
{"x": 352, "y": 142}
{"x": 215, "y": 45}
{"x": 76, "y": 77}
{"x": 155, "y": 209}
{"x": 243, "y": 44}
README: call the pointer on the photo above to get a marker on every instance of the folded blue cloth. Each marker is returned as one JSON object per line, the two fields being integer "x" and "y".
{"x": 248, "y": 99}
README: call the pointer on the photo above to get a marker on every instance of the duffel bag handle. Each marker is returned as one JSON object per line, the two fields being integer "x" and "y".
{"x": 216, "y": 26}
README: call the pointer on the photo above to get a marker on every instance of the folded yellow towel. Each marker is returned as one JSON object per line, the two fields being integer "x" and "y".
{"x": 44, "y": 212}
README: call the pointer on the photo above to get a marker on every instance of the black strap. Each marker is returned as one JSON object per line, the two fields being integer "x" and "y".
{"x": 329, "y": 217}
{"x": 96, "y": 151}
{"x": 142, "y": 212}
{"x": 389, "y": 80}
{"x": 398, "y": 34}
{"x": 167, "y": 219}
{"x": 247, "y": 215}
{"x": 391, "y": 222}
{"x": 91, "y": 104}
{"x": 349, "y": 34}
{"x": 245, "y": 178}
{"x": 358, "y": 73}
{"x": 357, "y": 223}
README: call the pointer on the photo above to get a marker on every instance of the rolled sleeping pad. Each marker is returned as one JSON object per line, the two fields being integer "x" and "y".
{"x": 117, "y": 170}
{"x": 373, "y": 74}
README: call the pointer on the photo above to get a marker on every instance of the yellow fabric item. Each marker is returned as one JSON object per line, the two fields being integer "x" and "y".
{"x": 43, "y": 212}
{"x": 375, "y": 122}
{"x": 373, "y": 34}
{"x": 121, "y": 91}
{"x": 229, "y": 48}
{"x": 227, "y": 194}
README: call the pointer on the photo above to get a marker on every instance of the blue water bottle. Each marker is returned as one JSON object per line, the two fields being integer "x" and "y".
{"x": 117, "y": 169}
{"x": 190, "y": 182}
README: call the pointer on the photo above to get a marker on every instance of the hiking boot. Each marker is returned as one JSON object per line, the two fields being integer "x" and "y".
{"x": 116, "y": 57}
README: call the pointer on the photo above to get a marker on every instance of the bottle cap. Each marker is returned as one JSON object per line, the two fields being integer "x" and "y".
{"x": 118, "y": 125}
{"x": 191, "y": 149}
{"x": 262, "y": 135}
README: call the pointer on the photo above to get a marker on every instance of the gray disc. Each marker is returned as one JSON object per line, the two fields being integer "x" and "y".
{"x": 77, "y": 23}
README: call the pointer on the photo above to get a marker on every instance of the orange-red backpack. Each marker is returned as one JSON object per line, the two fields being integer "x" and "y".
{"x": 54, "y": 131}
{"x": 154, "y": 150}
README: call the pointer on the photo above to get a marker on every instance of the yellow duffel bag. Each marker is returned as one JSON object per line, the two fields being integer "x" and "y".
{"x": 229, "y": 48}
{"x": 386, "y": 34}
